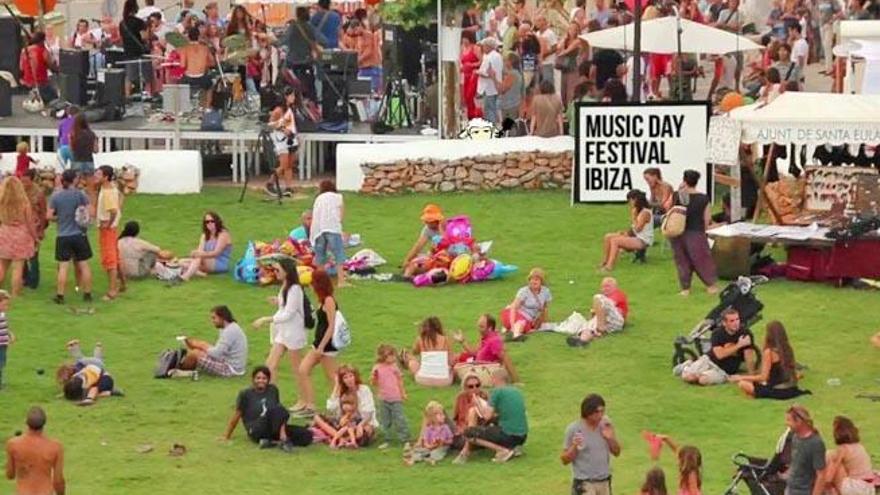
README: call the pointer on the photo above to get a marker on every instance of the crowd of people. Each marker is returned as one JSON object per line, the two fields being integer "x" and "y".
{"x": 522, "y": 62}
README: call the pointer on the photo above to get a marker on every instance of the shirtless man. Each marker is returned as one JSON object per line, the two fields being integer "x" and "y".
{"x": 34, "y": 461}
{"x": 195, "y": 58}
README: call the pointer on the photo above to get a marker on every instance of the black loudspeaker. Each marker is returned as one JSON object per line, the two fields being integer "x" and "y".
{"x": 112, "y": 90}
{"x": 10, "y": 47}
{"x": 5, "y": 99}
{"x": 73, "y": 88}
{"x": 334, "y": 101}
{"x": 402, "y": 51}
{"x": 74, "y": 62}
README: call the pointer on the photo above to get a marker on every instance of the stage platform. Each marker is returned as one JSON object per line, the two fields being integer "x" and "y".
{"x": 239, "y": 138}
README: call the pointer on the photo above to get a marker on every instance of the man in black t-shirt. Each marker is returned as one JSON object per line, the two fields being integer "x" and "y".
{"x": 605, "y": 67}
{"x": 265, "y": 419}
{"x": 731, "y": 346}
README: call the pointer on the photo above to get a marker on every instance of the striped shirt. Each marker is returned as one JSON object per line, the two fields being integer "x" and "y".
{"x": 4, "y": 330}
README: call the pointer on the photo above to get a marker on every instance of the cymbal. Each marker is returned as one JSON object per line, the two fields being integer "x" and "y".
{"x": 235, "y": 42}
{"x": 175, "y": 39}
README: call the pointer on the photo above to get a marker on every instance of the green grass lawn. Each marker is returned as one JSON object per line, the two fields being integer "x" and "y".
{"x": 828, "y": 327}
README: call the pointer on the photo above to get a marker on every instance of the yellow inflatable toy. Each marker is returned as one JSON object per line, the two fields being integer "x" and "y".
{"x": 460, "y": 267}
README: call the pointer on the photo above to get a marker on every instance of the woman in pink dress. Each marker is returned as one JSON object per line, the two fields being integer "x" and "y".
{"x": 18, "y": 233}
{"x": 470, "y": 61}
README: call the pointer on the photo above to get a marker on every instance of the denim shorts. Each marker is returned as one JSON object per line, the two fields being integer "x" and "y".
{"x": 332, "y": 242}
{"x": 84, "y": 168}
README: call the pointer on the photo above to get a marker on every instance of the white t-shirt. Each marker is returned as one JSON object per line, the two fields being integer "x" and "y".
{"x": 484, "y": 83}
{"x": 800, "y": 48}
{"x": 326, "y": 215}
{"x": 549, "y": 37}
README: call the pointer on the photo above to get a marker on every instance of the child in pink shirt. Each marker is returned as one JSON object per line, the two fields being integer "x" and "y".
{"x": 388, "y": 380}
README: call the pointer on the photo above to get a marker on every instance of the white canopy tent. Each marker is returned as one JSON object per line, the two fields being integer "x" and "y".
{"x": 660, "y": 36}
{"x": 804, "y": 119}
{"x": 811, "y": 119}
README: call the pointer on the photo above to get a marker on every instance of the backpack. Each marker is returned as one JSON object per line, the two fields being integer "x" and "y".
{"x": 308, "y": 313}
{"x": 674, "y": 222}
{"x": 168, "y": 360}
{"x": 341, "y": 332}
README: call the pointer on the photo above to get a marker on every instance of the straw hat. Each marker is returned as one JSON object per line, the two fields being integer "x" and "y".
{"x": 432, "y": 213}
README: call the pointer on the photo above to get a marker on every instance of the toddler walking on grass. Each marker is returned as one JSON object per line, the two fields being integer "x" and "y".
{"x": 435, "y": 439}
{"x": 388, "y": 379}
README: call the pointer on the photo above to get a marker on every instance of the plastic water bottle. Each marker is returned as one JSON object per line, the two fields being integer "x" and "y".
{"x": 833, "y": 382}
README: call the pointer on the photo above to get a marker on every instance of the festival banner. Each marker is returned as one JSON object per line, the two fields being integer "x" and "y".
{"x": 615, "y": 143}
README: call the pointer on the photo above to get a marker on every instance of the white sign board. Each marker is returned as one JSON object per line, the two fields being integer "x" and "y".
{"x": 615, "y": 143}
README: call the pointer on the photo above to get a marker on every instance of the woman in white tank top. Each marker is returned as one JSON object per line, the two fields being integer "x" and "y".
{"x": 638, "y": 237}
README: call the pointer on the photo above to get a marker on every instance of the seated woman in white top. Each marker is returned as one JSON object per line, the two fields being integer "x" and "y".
{"x": 137, "y": 257}
{"x": 347, "y": 383}
{"x": 638, "y": 237}
{"x": 434, "y": 349}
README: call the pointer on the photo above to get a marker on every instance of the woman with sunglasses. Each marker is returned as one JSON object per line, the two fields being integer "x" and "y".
{"x": 214, "y": 251}
{"x": 465, "y": 414}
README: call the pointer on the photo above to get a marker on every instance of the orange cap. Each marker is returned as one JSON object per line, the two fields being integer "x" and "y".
{"x": 432, "y": 213}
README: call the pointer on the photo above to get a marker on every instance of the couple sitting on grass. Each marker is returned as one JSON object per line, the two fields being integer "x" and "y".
{"x": 529, "y": 309}
{"x": 433, "y": 362}
{"x": 732, "y": 345}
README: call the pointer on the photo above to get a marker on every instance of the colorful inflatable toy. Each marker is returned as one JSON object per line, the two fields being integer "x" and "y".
{"x": 457, "y": 258}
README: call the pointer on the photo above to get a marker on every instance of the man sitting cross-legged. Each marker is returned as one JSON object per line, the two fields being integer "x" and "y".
{"x": 731, "y": 346}
{"x": 226, "y": 358}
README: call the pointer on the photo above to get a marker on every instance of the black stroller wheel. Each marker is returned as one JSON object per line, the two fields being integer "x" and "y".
{"x": 681, "y": 355}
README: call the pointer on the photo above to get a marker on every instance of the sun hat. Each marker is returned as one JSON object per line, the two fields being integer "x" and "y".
{"x": 432, "y": 213}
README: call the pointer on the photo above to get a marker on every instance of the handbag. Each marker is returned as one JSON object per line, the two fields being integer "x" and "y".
{"x": 674, "y": 222}
{"x": 341, "y": 332}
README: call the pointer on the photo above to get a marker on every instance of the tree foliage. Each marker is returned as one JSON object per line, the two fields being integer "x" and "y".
{"x": 412, "y": 13}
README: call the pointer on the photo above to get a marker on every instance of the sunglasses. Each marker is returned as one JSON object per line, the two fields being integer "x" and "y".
{"x": 473, "y": 386}
{"x": 209, "y": 221}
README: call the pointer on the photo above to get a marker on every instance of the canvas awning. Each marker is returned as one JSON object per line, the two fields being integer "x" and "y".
{"x": 812, "y": 119}
{"x": 659, "y": 36}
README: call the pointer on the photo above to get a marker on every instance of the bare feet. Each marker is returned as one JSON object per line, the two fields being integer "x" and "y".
{"x": 712, "y": 290}
{"x": 876, "y": 340}
{"x": 685, "y": 293}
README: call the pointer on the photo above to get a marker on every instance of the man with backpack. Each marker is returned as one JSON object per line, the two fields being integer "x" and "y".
{"x": 70, "y": 208}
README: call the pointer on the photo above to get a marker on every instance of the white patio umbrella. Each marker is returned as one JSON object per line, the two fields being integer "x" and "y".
{"x": 660, "y": 36}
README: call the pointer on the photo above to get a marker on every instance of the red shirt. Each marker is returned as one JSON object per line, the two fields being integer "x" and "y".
{"x": 491, "y": 348}
{"x": 22, "y": 162}
{"x": 620, "y": 301}
{"x": 34, "y": 59}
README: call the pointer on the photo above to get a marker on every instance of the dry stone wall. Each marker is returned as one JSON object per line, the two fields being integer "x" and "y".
{"x": 523, "y": 170}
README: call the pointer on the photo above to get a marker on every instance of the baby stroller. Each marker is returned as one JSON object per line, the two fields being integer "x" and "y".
{"x": 763, "y": 476}
{"x": 738, "y": 295}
